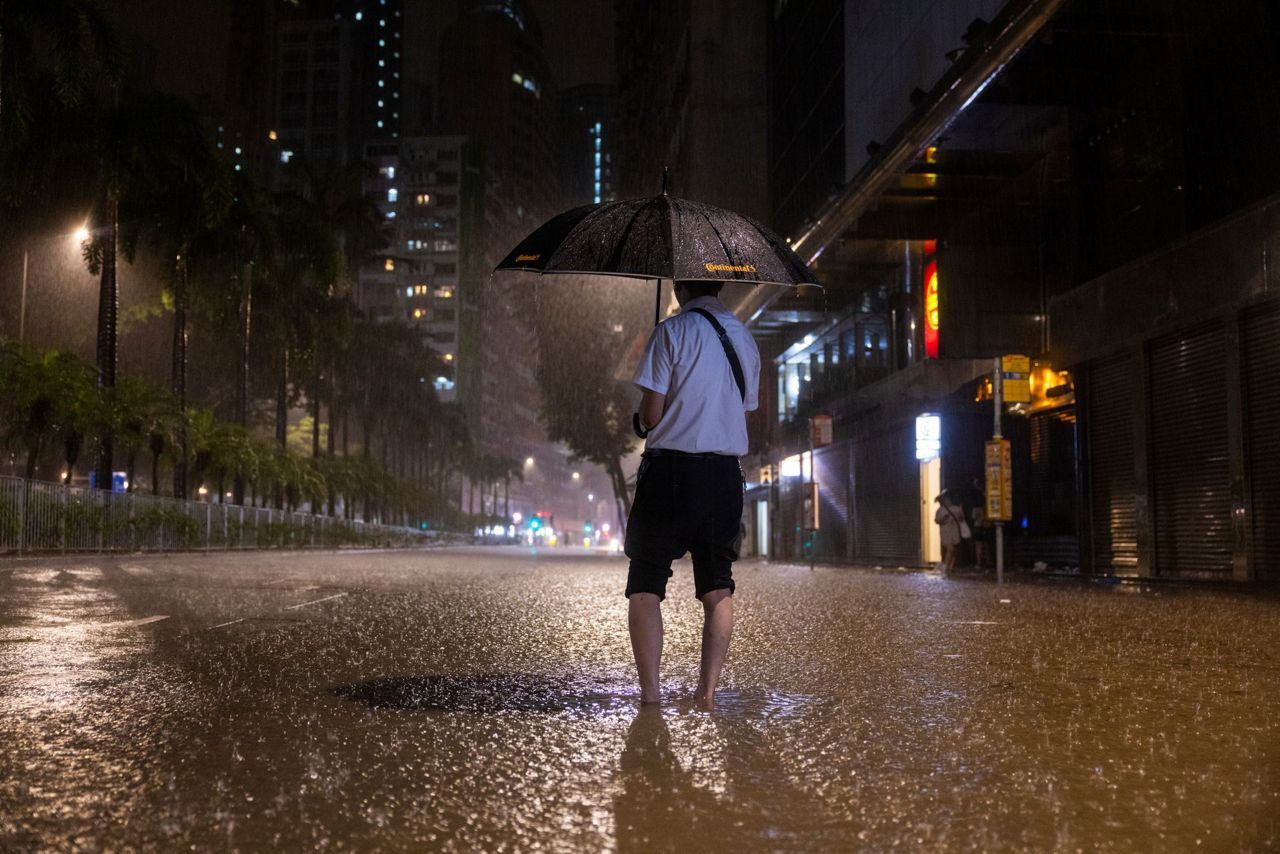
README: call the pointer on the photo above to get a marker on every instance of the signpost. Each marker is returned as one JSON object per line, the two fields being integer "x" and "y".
{"x": 1020, "y": 368}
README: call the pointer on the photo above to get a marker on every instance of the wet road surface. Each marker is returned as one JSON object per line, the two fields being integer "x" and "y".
{"x": 476, "y": 699}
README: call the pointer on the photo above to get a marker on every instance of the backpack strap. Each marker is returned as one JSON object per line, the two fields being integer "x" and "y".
{"x": 734, "y": 364}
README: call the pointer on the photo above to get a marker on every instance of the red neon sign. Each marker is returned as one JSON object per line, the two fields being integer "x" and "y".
{"x": 931, "y": 309}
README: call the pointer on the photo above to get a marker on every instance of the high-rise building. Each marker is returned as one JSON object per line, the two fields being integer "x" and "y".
{"x": 497, "y": 91}
{"x": 221, "y": 56}
{"x": 586, "y": 146}
{"x": 692, "y": 97}
{"x": 315, "y": 90}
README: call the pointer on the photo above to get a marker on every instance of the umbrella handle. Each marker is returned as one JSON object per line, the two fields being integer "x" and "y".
{"x": 657, "y": 303}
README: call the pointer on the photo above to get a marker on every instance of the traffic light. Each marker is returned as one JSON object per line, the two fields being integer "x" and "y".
{"x": 587, "y": 527}
{"x": 535, "y": 523}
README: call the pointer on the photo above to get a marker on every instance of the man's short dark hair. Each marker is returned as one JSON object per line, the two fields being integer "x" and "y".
{"x": 701, "y": 287}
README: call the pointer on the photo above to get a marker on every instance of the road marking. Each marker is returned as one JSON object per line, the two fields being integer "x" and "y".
{"x": 141, "y": 622}
{"x": 228, "y": 623}
{"x": 972, "y": 622}
{"x": 315, "y": 601}
{"x": 278, "y": 581}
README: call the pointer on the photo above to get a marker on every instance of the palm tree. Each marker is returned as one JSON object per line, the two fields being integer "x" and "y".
{"x": 86, "y": 53}
{"x": 161, "y": 181}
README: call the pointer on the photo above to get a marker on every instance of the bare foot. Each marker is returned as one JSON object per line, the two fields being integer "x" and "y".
{"x": 704, "y": 701}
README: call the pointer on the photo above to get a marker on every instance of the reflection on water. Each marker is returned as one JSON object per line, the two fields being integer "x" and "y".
{"x": 485, "y": 701}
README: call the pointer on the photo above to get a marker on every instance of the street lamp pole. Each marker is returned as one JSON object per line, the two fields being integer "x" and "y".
{"x": 22, "y": 311}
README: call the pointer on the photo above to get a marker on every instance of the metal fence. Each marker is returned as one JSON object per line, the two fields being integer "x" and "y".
{"x": 37, "y": 516}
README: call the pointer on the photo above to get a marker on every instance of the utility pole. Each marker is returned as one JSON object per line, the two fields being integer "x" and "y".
{"x": 998, "y": 395}
{"x": 22, "y": 311}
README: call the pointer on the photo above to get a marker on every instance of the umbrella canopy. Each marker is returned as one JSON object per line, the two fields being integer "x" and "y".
{"x": 662, "y": 237}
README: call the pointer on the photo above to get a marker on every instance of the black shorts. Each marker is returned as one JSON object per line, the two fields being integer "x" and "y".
{"x": 684, "y": 503}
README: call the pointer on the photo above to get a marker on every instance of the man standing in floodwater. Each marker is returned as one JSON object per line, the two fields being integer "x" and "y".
{"x": 689, "y": 487}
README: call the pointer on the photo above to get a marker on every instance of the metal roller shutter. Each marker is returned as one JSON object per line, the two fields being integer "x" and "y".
{"x": 1260, "y": 335}
{"x": 1112, "y": 508}
{"x": 1190, "y": 468}
{"x": 831, "y": 465}
{"x": 887, "y": 480}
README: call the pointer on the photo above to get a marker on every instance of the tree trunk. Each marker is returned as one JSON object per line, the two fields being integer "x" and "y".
{"x": 179, "y": 375}
{"x": 242, "y": 368}
{"x": 108, "y": 315}
{"x": 620, "y": 495}
{"x": 282, "y": 416}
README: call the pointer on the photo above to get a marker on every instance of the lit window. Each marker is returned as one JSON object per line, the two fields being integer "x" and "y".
{"x": 237, "y": 149}
{"x": 382, "y": 83}
{"x": 285, "y": 155}
{"x": 381, "y": 104}
{"x": 444, "y": 293}
{"x": 391, "y": 214}
{"x": 237, "y": 167}
{"x": 382, "y": 22}
{"x": 597, "y": 161}
{"x": 393, "y": 194}
{"x": 597, "y": 127}
{"x": 408, "y": 292}
{"x": 379, "y": 124}
{"x": 382, "y": 63}
{"x": 382, "y": 42}
{"x": 448, "y": 357}
{"x": 389, "y": 171}
{"x": 359, "y": 16}
{"x": 424, "y": 198}
{"x": 389, "y": 264}
{"x": 516, "y": 79}
{"x": 272, "y": 135}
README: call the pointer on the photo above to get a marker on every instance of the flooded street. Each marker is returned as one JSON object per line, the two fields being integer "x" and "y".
{"x": 476, "y": 699}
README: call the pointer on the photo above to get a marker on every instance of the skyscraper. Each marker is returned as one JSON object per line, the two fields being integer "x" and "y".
{"x": 496, "y": 90}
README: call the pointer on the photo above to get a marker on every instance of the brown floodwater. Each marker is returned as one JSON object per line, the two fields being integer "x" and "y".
{"x": 475, "y": 699}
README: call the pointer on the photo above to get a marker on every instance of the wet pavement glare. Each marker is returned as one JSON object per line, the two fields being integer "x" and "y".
{"x": 483, "y": 699}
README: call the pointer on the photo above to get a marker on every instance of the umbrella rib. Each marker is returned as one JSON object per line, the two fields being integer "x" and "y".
{"x": 616, "y": 255}
{"x": 727, "y": 257}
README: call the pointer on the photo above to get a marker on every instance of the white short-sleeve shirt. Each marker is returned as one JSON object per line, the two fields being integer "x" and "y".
{"x": 685, "y": 360}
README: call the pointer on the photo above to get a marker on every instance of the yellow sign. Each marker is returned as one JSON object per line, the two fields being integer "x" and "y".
{"x": 730, "y": 268}
{"x": 520, "y": 258}
{"x": 999, "y": 468}
{"x": 1015, "y": 364}
{"x": 766, "y": 474}
{"x": 1015, "y": 375}
{"x": 1017, "y": 389}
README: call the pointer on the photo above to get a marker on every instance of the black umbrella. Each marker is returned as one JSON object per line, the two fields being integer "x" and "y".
{"x": 658, "y": 238}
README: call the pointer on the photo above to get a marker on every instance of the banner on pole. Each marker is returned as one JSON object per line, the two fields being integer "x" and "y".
{"x": 999, "y": 468}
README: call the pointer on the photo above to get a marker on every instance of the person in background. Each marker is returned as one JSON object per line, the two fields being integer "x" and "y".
{"x": 950, "y": 518}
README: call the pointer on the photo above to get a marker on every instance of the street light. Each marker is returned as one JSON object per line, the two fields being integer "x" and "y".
{"x": 577, "y": 476}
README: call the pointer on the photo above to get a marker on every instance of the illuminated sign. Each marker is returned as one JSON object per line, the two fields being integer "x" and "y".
{"x": 928, "y": 437}
{"x": 931, "y": 309}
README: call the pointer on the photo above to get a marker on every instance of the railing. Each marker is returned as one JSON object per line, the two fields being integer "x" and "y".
{"x": 36, "y": 516}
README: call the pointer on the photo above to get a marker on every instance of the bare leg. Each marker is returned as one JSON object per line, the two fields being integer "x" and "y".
{"x": 717, "y": 629}
{"x": 644, "y": 619}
